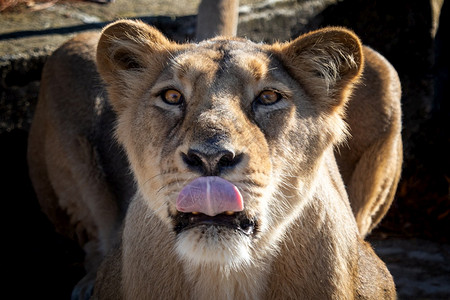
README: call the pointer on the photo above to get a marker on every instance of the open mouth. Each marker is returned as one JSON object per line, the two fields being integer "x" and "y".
{"x": 236, "y": 221}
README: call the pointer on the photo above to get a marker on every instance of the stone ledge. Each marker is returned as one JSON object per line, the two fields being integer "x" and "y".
{"x": 23, "y": 52}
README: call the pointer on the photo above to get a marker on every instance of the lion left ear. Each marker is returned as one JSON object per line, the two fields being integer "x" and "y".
{"x": 327, "y": 62}
{"x": 125, "y": 48}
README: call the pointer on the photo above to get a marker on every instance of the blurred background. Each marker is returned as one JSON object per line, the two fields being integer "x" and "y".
{"x": 413, "y": 239}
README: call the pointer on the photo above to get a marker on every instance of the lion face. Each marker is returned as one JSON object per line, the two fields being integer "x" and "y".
{"x": 224, "y": 136}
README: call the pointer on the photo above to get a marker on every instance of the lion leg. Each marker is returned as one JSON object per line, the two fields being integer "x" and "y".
{"x": 39, "y": 174}
{"x": 69, "y": 193}
{"x": 374, "y": 182}
{"x": 371, "y": 161}
{"x": 65, "y": 172}
{"x": 85, "y": 198}
{"x": 383, "y": 207}
{"x": 93, "y": 215}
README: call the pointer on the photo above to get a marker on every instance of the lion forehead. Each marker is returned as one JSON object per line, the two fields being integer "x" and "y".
{"x": 232, "y": 57}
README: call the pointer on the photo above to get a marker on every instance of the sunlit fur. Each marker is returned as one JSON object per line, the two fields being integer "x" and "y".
{"x": 214, "y": 245}
{"x": 286, "y": 146}
{"x": 305, "y": 242}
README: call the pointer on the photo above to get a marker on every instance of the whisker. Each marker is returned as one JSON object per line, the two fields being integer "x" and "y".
{"x": 162, "y": 194}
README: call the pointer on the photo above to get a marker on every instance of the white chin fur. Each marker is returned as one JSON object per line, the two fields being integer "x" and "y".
{"x": 214, "y": 245}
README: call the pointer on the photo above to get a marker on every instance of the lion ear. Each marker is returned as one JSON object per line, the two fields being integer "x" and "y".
{"x": 327, "y": 62}
{"x": 125, "y": 50}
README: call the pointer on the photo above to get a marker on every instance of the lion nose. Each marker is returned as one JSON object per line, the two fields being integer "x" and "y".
{"x": 211, "y": 163}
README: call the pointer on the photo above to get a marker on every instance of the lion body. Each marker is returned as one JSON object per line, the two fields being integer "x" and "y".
{"x": 108, "y": 161}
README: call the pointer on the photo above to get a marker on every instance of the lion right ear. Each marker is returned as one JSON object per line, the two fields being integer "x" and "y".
{"x": 126, "y": 51}
{"x": 327, "y": 62}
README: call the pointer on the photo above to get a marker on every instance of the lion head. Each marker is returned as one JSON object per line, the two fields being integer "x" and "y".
{"x": 225, "y": 137}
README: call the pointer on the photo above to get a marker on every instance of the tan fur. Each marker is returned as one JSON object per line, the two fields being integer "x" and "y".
{"x": 61, "y": 158}
{"x": 371, "y": 160}
{"x": 306, "y": 243}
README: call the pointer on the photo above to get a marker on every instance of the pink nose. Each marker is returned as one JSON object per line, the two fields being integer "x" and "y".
{"x": 211, "y": 196}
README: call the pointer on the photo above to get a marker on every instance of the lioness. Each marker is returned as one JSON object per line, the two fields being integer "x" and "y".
{"x": 234, "y": 190}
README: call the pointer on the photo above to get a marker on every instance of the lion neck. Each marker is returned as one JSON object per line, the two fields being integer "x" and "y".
{"x": 311, "y": 244}
{"x": 225, "y": 282}
{"x": 149, "y": 247}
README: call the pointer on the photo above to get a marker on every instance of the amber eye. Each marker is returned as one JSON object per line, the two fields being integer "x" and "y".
{"x": 268, "y": 97}
{"x": 172, "y": 97}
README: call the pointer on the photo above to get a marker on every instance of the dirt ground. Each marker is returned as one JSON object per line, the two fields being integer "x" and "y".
{"x": 421, "y": 268}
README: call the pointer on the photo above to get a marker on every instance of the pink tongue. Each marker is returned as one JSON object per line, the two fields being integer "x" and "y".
{"x": 209, "y": 195}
